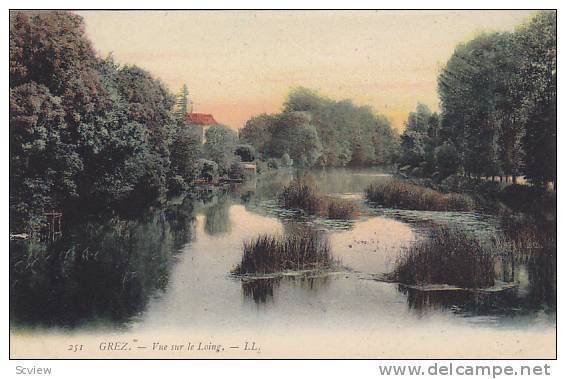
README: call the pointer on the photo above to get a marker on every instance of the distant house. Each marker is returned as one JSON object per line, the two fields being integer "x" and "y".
{"x": 200, "y": 122}
{"x": 249, "y": 168}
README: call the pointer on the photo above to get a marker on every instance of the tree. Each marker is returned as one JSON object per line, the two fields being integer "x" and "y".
{"x": 346, "y": 134}
{"x": 293, "y": 134}
{"x": 420, "y": 139}
{"x": 536, "y": 81}
{"x": 86, "y": 135}
{"x": 257, "y": 132}
{"x": 245, "y": 152}
{"x": 43, "y": 165}
{"x": 447, "y": 159}
{"x": 471, "y": 88}
{"x": 498, "y": 95}
{"x": 185, "y": 152}
{"x": 181, "y": 107}
{"x": 220, "y": 146}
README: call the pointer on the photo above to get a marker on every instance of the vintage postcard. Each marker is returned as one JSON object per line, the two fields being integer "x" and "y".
{"x": 222, "y": 184}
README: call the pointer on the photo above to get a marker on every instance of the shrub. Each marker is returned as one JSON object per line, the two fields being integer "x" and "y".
{"x": 302, "y": 249}
{"x": 448, "y": 257}
{"x": 404, "y": 195}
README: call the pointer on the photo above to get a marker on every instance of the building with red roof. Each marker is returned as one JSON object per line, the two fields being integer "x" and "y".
{"x": 200, "y": 122}
{"x": 200, "y": 119}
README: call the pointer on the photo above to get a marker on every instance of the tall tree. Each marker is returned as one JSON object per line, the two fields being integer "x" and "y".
{"x": 536, "y": 81}
{"x": 181, "y": 107}
{"x": 85, "y": 133}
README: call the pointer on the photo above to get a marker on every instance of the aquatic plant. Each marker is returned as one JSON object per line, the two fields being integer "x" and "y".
{"x": 450, "y": 257}
{"x": 404, "y": 195}
{"x": 302, "y": 194}
{"x": 340, "y": 209}
{"x": 301, "y": 249}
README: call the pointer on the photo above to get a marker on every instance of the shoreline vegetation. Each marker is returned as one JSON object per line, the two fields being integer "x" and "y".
{"x": 303, "y": 194}
{"x": 404, "y": 195}
{"x": 299, "y": 249}
{"x": 452, "y": 257}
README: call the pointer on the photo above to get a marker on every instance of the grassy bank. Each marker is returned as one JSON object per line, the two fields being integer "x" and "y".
{"x": 404, "y": 195}
{"x": 303, "y": 194}
{"x": 302, "y": 249}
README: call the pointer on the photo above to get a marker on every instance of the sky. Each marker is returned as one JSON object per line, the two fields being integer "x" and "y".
{"x": 238, "y": 64}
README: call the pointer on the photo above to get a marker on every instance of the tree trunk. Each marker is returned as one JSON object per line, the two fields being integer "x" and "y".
{"x": 514, "y": 179}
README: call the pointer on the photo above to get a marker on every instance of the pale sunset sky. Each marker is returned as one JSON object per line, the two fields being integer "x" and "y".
{"x": 238, "y": 64}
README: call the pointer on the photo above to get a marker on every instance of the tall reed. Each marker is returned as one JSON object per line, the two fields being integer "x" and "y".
{"x": 448, "y": 257}
{"x": 403, "y": 195}
{"x": 303, "y": 194}
{"x": 302, "y": 249}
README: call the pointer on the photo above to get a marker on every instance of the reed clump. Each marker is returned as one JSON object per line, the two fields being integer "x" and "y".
{"x": 301, "y": 249}
{"x": 449, "y": 257}
{"x": 303, "y": 194}
{"x": 404, "y": 195}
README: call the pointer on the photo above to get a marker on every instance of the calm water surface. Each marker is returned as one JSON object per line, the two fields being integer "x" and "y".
{"x": 169, "y": 273}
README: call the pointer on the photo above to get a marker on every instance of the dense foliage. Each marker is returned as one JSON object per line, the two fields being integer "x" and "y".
{"x": 220, "y": 146}
{"x": 85, "y": 133}
{"x": 498, "y": 102}
{"x": 316, "y": 131}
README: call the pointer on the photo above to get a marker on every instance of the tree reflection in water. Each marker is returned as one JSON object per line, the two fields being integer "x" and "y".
{"x": 217, "y": 216}
{"x": 115, "y": 264}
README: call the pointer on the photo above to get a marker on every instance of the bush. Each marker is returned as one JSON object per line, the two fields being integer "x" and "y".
{"x": 404, "y": 195}
{"x": 448, "y": 257}
{"x": 302, "y": 249}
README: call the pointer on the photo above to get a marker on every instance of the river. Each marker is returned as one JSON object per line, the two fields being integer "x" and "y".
{"x": 161, "y": 284}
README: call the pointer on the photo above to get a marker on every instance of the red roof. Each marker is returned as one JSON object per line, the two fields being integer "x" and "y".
{"x": 201, "y": 119}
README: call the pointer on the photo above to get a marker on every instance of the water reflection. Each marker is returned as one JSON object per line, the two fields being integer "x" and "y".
{"x": 99, "y": 272}
{"x": 465, "y": 303}
{"x": 116, "y": 270}
{"x": 259, "y": 290}
{"x": 262, "y": 290}
{"x": 217, "y": 217}
{"x": 534, "y": 290}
